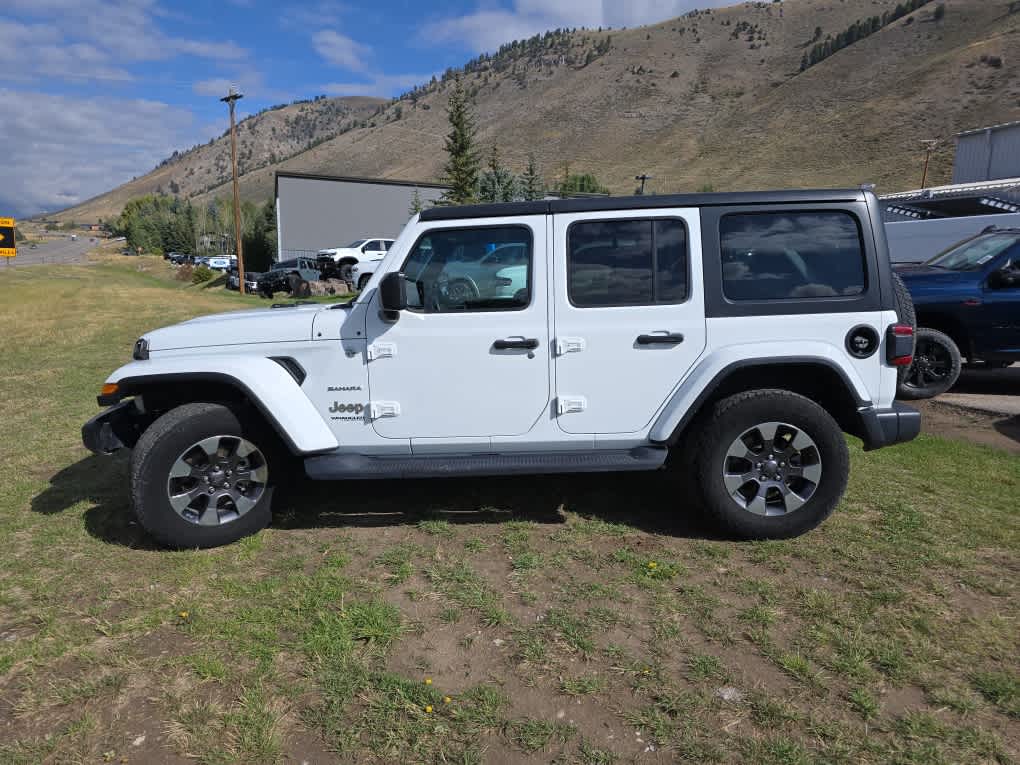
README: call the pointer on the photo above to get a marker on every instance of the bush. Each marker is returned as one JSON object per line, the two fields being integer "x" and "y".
{"x": 201, "y": 274}
{"x": 184, "y": 273}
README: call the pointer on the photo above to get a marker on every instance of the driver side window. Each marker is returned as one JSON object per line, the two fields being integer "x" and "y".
{"x": 470, "y": 269}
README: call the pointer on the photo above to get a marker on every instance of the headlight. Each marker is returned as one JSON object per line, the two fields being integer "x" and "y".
{"x": 141, "y": 351}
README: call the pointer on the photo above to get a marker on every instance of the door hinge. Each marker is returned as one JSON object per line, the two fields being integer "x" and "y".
{"x": 568, "y": 404}
{"x": 382, "y": 351}
{"x": 566, "y": 345}
{"x": 379, "y": 409}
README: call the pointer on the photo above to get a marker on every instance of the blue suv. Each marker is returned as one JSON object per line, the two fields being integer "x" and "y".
{"x": 967, "y": 305}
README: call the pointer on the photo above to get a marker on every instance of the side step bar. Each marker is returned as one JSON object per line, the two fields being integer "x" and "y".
{"x": 333, "y": 466}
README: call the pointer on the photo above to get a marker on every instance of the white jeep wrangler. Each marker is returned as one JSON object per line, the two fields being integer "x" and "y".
{"x": 746, "y": 331}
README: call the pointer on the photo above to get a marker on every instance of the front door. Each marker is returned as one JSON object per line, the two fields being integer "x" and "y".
{"x": 469, "y": 357}
{"x": 1001, "y": 309}
{"x": 629, "y": 315}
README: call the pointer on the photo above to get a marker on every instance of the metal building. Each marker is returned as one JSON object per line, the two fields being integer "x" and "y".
{"x": 987, "y": 154}
{"x": 318, "y": 211}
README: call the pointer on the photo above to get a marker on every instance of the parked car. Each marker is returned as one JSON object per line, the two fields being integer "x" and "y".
{"x": 337, "y": 262}
{"x": 744, "y": 331}
{"x": 251, "y": 282}
{"x": 288, "y": 276}
{"x": 967, "y": 304}
{"x": 180, "y": 259}
{"x": 362, "y": 272}
{"x": 221, "y": 263}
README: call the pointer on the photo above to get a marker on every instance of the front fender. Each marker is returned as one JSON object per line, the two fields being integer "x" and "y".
{"x": 263, "y": 381}
{"x": 713, "y": 369}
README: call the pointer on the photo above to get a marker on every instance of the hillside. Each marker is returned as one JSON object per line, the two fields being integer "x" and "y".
{"x": 264, "y": 139}
{"x": 712, "y": 98}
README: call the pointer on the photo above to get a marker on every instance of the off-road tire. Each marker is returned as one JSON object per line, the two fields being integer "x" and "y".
{"x": 905, "y": 313}
{"x": 160, "y": 446}
{"x": 913, "y": 386}
{"x": 363, "y": 281}
{"x": 731, "y": 417}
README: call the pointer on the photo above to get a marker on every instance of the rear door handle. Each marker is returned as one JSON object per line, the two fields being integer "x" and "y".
{"x": 669, "y": 339}
{"x": 502, "y": 345}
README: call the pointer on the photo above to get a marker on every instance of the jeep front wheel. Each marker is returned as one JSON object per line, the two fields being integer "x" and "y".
{"x": 201, "y": 476}
{"x": 770, "y": 464}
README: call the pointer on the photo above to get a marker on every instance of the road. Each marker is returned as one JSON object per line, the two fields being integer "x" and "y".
{"x": 992, "y": 391}
{"x": 54, "y": 251}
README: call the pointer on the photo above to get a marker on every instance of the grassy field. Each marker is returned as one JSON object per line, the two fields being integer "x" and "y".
{"x": 588, "y": 620}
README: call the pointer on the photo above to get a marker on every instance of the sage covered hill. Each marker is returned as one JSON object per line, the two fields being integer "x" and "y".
{"x": 722, "y": 98}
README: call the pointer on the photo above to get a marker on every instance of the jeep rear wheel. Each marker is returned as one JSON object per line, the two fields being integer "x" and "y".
{"x": 201, "y": 476}
{"x": 770, "y": 464}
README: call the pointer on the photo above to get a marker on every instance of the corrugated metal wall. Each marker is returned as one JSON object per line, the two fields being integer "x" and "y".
{"x": 988, "y": 154}
{"x": 314, "y": 213}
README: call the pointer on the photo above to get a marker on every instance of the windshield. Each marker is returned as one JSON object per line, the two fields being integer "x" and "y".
{"x": 356, "y": 243}
{"x": 974, "y": 254}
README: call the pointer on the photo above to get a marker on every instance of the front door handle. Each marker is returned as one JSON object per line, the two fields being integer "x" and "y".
{"x": 501, "y": 345}
{"x": 670, "y": 339}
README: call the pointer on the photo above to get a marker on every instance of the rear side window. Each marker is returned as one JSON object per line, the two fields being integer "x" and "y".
{"x": 626, "y": 262}
{"x": 791, "y": 256}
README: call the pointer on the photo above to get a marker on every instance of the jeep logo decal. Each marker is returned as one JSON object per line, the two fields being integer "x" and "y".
{"x": 352, "y": 408}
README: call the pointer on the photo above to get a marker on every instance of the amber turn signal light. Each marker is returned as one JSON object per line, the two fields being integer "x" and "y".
{"x": 109, "y": 389}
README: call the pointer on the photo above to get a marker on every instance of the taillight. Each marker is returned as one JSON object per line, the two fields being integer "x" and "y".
{"x": 899, "y": 346}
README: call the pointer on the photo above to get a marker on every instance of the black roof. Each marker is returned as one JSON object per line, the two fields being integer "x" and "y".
{"x": 647, "y": 202}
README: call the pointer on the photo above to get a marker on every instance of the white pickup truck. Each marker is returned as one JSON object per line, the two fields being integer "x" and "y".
{"x": 745, "y": 331}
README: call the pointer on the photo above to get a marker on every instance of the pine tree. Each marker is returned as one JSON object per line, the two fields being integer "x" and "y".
{"x": 497, "y": 183}
{"x": 417, "y": 205}
{"x": 532, "y": 185}
{"x": 461, "y": 171}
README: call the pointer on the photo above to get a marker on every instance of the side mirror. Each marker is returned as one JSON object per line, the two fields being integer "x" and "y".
{"x": 392, "y": 293}
{"x": 1006, "y": 277}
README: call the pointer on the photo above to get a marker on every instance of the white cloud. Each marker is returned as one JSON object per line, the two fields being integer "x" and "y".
{"x": 321, "y": 14}
{"x": 491, "y": 26}
{"x": 61, "y": 150}
{"x": 382, "y": 85}
{"x": 340, "y": 50}
{"x": 75, "y": 39}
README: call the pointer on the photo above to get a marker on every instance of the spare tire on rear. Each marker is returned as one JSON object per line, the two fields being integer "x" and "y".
{"x": 936, "y": 366}
{"x": 906, "y": 315}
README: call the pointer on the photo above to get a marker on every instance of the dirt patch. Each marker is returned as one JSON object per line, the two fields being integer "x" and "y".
{"x": 948, "y": 421}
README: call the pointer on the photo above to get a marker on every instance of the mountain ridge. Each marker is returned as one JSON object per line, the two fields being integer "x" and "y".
{"x": 715, "y": 98}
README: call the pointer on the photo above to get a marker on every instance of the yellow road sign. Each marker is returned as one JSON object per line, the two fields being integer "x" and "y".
{"x": 7, "y": 247}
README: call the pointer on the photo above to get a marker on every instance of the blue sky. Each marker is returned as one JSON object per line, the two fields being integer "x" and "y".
{"x": 99, "y": 91}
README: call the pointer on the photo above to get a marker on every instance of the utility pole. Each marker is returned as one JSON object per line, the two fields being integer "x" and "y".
{"x": 930, "y": 145}
{"x": 643, "y": 177}
{"x": 229, "y": 99}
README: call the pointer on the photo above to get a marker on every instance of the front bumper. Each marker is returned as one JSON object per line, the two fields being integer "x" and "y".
{"x": 115, "y": 428}
{"x": 884, "y": 427}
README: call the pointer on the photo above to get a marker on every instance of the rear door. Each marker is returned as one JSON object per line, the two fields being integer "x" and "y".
{"x": 629, "y": 318}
